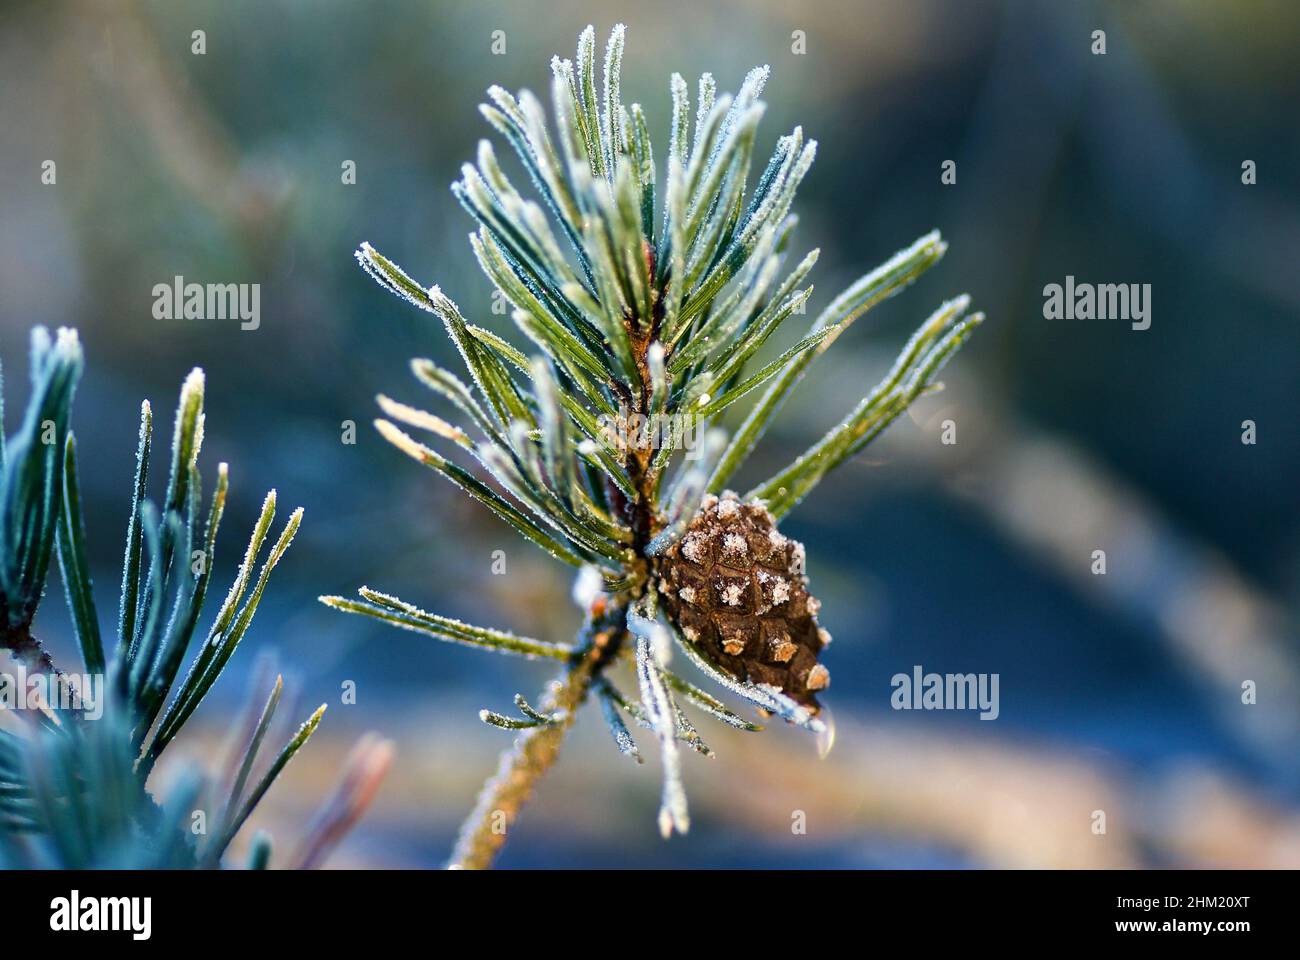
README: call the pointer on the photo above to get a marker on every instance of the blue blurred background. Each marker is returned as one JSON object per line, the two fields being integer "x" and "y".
{"x": 1120, "y": 693}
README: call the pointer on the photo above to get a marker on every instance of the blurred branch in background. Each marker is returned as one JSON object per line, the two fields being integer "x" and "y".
{"x": 191, "y": 144}
{"x": 992, "y": 803}
{"x": 1055, "y": 501}
{"x": 1015, "y": 806}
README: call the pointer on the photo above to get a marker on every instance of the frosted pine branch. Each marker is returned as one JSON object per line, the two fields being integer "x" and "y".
{"x": 649, "y": 303}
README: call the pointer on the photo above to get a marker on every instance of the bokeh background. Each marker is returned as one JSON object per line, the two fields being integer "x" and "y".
{"x": 1119, "y": 692}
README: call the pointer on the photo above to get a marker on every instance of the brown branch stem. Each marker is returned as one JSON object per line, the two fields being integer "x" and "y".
{"x": 28, "y": 651}
{"x": 523, "y": 764}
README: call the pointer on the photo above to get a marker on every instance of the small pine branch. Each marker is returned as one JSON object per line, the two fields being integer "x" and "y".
{"x": 640, "y": 295}
{"x": 76, "y": 788}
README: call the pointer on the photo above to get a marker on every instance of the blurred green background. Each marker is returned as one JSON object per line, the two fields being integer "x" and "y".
{"x": 1119, "y": 693}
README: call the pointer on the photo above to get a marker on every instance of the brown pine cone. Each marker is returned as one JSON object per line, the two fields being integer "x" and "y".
{"x": 736, "y": 587}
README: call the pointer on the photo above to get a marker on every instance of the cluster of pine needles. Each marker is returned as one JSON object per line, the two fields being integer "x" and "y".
{"x": 75, "y": 779}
